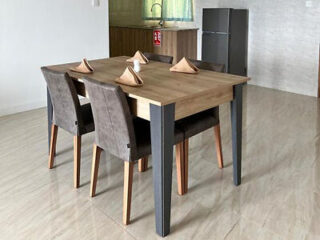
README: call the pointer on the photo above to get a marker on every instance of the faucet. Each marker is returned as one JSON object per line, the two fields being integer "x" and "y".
{"x": 161, "y": 23}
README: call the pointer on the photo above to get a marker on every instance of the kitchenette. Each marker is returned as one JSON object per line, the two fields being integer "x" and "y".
{"x": 216, "y": 35}
{"x": 150, "y": 27}
{"x": 171, "y": 41}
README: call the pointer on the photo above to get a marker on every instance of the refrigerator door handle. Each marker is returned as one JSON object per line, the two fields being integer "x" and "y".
{"x": 208, "y": 32}
{"x": 222, "y": 33}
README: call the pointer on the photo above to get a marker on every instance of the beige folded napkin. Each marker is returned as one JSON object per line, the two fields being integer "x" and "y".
{"x": 84, "y": 67}
{"x": 139, "y": 56}
{"x": 130, "y": 78}
{"x": 184, "y": 66}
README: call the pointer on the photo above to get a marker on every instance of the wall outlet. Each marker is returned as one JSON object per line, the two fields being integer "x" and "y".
{"x": 95, "y": 3}
{"x": 309, "y": 4}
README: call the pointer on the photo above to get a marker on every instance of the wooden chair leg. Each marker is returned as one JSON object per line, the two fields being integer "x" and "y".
{"x": 182, "y": 166}
{"x": 186, "y": 164}
{"x": 95, "y": 169}
{"x": 127, "y": 191}
{"x": 76, "y": 160}
{"x": 217, "y": 136}
{"x": 53, "y": 142}
{"x": 143, "y": 164}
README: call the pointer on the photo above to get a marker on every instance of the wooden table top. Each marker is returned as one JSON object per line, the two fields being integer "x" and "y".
{"x": 161, "y": 87}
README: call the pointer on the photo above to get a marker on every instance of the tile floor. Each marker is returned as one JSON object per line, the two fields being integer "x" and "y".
{"x": 279, "y": 198}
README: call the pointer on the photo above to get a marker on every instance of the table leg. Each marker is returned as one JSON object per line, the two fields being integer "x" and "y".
{"x": 50, "y": 115}
{"x": 236, "y": 123}
{"x": 162, "y": 140}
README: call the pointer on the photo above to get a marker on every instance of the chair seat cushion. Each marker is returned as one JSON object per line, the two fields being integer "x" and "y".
{"x": 87, "y": 118}
{"x": 197, "y": 123}
{"x": 143, "y": 137}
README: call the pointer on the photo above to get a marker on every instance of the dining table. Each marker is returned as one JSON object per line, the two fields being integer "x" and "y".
{"x": 164, "y": 98}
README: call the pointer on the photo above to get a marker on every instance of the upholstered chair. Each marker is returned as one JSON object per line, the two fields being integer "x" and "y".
{"x": 208, "y": 66}
{"x": 119, "y": 133}
{"x": 194, "y": 125}
{"x": 143, "y": 162}
{"x": 158, "y": 57}
{"x": 68, "y": 114}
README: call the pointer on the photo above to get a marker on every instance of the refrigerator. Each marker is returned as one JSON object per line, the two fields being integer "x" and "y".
{"x": 225, "y": 38}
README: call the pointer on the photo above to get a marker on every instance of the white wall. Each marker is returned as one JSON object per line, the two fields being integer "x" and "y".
{"x": 35, "y": 33}
{"x": 284, "y": 37}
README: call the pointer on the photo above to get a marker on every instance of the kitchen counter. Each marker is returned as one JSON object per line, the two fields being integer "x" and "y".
{"x": 172, "y": 41}
{"x": 157, "y": 28}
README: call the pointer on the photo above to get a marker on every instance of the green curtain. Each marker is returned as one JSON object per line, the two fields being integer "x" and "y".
{"x": 172, "y": 10}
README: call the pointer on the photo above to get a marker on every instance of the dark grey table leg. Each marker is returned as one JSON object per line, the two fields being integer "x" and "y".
{"x": 50, "y": 115}
{"x": 162, "y": 140}
{"x": 236, "y": 124}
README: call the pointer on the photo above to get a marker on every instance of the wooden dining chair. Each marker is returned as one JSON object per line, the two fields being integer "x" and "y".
{"x": 194, "y": 125}
{"x": 158, "y": 57}
{"x": 208, "y": 66}
{"x": 118, "y": 132}
{"x": 68, "y": 114}
{"x": 143, "y": 162}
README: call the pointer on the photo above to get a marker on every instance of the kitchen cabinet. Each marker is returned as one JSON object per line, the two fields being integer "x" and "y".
{"x": 176, "y": 42}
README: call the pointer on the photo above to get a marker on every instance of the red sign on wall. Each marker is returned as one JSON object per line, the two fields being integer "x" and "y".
{"x": 157, "y": 37}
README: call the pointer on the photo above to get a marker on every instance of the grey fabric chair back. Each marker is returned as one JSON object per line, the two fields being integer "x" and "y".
{"x": 65, "y": 101}
{"x": 208, "y": 66}
{"x": 158, "y": 57}
{"x": 113, "y": 120}
{"x": 215, "y": 113}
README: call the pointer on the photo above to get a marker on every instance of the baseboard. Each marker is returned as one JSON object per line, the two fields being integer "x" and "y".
{"x": 285, "y": 89}
{"x": 21, "y": 107}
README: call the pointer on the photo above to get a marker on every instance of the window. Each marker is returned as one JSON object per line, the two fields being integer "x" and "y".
{"x": 168, "y": 10}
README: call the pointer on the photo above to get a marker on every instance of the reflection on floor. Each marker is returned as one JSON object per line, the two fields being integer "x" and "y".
{"x": 278, "y": 199}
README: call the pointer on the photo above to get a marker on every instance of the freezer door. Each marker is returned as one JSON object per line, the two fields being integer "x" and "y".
{"x": 216, "y": 20}
{"x": 239, "y": 42}
{"x": 215, "y": 48}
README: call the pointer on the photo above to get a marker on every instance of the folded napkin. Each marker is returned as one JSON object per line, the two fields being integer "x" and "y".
{"x": 130, "y": 78}
{"x": 184, "y": 66}
{"x": 84, "y": 67}
{"x": 139, "y": 56}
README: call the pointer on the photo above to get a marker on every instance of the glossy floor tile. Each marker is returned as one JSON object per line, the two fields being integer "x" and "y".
{"x": 279, "y": 198}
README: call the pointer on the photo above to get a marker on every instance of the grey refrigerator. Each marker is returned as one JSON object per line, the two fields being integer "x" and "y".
{"x": 225, "y": 38}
